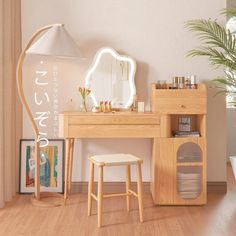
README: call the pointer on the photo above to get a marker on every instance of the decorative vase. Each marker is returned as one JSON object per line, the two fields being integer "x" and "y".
{"x": 83, "y": 106}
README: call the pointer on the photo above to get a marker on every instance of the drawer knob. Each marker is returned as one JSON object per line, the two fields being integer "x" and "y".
{"x": 182, "y": 106}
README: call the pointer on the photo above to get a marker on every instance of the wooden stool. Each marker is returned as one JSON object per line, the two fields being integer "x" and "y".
{"x": 114, "y": 160}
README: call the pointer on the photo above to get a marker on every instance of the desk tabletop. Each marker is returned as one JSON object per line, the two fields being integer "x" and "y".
{"x": 117, "y": 113}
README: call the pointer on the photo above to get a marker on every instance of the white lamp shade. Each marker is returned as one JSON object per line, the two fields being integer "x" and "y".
{"x": 55, "y": 42}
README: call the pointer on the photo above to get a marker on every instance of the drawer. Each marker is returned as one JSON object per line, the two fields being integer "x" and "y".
{"x": 181, "y": 105}
{"x": 100, "y": 119}
{"x": 180, "y": 101}
{"x": 113, "y": 131}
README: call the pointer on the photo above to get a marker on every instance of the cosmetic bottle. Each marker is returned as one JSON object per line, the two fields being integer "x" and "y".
{"x": 193, "y": 82}
{"x": 135, "y": 103}
{"x": 187, "y": 82}
{"x": 164, "y": 84}
{"x": 181, "y": 81}
{"x": 158, "y": 84}
{"x": 174, "y": 82}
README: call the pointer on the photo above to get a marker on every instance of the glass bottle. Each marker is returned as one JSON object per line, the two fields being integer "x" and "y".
{"x": 181, "y": 81}
{"x": 164, "y": 84}
{"x": 175, "y": 82}
{"x": 193, "y": 82}
{"x": 158, "y": 84}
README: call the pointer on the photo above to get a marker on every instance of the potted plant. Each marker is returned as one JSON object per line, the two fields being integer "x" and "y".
{"x": 218, "y": 44}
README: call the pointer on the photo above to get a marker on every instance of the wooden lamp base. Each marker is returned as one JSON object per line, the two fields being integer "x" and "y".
{"x": 44, "y": 201}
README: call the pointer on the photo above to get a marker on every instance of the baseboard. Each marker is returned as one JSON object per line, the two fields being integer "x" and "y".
{"x": 217, "y": 187}
{"x": 113, "y": 187}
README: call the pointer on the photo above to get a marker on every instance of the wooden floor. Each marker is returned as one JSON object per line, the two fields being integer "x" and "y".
{"x": 217, "y": 218}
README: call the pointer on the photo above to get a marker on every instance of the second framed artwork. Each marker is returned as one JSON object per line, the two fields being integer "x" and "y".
{"x": 51, "y": 166}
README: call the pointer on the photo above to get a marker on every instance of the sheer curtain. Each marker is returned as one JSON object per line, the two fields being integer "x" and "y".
{"x": 10, "y": 107}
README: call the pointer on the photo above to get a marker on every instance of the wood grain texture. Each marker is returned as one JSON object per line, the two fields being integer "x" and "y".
{"x": 164, "y": 172}
{"x": 171, "y": 105}
{"x": 164, "y": 185}
{"x": 72, "y": 142}
{"x": 100, "y": 195}
{"x": 168, "y": 106}
{"x": 103, "y": 125}
{"x": 180, "y": 101}
{"x": 67, "y": 161}
{"x": 217, "y": 218}
{"x": 90, "y": 186}
{"x": 140, "y": 191}
{"x": 165, "y": 126}
{"x": 128, "y": 186}
{"x": 113, "y": 131}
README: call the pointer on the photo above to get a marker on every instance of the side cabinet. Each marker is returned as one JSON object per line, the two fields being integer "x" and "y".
{"x": 180, "y": 171}
{"x": 179, "y": 163}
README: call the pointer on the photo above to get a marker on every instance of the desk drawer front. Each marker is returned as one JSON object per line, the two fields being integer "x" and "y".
{"x": 114, "y": 131}
{"x": 109, "y": 119}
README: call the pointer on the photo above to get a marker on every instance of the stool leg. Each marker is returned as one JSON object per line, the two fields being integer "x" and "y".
{"x": 71, "y": 163}
{"x": 90, "y": 187}
{"x": 140, "y": 191}
{"x": 67, "y": 169}
{"x": 128, "y": 187}
{"x": 100, "y": 195}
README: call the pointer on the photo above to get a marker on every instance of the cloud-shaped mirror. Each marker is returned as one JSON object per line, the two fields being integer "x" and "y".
{"x": 111, "y": 78}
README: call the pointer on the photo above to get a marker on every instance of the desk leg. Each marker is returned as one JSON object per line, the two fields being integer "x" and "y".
{"x": 72, "y": 142}
{"x": 67, "y": 161}
{"x": 37, "y": 170}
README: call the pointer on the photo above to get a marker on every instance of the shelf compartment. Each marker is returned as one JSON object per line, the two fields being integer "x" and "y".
{"x": 190, "y": 125}
{"x": 189, "y": 152}
{"x": 189, "y": 181}
{"x": 190, "y": 164}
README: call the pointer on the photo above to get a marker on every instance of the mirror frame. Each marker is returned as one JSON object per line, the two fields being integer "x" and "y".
{"x": 119, "y": 57}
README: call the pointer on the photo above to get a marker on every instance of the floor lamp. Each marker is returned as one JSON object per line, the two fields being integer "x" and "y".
{"x": 55, "y": 42}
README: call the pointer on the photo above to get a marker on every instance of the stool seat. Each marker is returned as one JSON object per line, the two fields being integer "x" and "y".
{"x": 115, "y": 159}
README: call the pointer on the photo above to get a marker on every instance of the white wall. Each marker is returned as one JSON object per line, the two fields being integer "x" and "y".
{"x": 150, "y": 31}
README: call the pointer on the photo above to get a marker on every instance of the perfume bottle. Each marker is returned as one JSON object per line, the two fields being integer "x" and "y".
{"x": 163, "y": 84}
{"x": 181, "y": 82}
{"x": 193, "y": 82}
{"x": 158, "y": 84}
{"x": 135, "y": 103}
{"x": 175, "y": 82}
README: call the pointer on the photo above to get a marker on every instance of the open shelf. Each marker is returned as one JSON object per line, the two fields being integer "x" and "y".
{"x": 192, "y": 125}
{"x": 190, "y": 164}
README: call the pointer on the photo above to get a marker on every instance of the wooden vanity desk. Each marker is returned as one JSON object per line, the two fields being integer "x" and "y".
{"x": 178, "y": 166}
{"x": 73, "y": 125}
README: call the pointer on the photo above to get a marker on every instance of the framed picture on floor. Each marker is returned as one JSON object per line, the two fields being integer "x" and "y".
{"x": 51, "y": 166}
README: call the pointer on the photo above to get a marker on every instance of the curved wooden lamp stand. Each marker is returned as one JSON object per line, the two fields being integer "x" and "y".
{"x": 36, "y": 198}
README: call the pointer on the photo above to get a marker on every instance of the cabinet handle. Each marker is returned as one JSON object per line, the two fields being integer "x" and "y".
{"x": 182, "y": 106}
